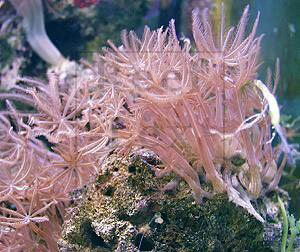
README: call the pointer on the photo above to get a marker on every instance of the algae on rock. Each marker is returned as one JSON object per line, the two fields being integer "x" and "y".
{"x": 127, "y": 210}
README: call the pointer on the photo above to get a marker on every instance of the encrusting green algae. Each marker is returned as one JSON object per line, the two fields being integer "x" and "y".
{"x": 127, "y": 210}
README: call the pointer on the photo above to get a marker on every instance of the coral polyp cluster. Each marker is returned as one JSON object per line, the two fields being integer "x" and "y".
{"x": 195, "y": 105}
{"x": 199, "y": 110}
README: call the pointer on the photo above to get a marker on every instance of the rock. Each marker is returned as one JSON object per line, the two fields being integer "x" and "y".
{"x": 125, "y": 209}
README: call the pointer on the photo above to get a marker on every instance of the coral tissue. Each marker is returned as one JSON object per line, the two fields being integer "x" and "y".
{"x": 195, "y": 104}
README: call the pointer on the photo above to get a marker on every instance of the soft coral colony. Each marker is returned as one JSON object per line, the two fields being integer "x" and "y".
{"x": 197, "y": 108}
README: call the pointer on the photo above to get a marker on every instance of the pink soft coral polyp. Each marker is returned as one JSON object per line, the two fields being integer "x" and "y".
{"x": 197, "y": 109}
